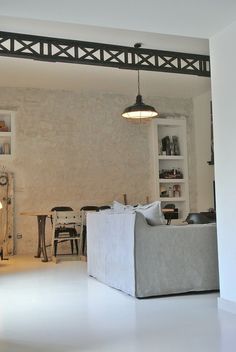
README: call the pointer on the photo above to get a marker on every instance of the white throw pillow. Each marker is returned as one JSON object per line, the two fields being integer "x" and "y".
{"x": 152, "y": 213}
{"x": 121, "y": 208}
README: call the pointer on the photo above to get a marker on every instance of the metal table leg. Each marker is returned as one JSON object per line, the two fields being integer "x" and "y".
{"x": 41, "y": 238}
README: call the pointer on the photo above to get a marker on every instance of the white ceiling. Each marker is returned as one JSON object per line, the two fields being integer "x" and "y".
{"x": 169, "y": 25}
{"x": 35, "y": 74}
{"x": 194, "y": 18}
{"x": 104, "y": 35}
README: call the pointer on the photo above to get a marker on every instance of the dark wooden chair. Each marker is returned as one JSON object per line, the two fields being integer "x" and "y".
{"x": 104, "y": 207}
{"x": 62, "y": 230}
{"x": 83, "y": 241}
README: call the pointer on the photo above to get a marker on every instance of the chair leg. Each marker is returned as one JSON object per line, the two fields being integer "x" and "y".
{"x": 72, "y": 246}
{"x": 85, "y": 249}
{"x": 55, "y": 248}
{"x": 81, "y": 241}
{"x": 85, "y": 244}
{"x": 77, "y": 247}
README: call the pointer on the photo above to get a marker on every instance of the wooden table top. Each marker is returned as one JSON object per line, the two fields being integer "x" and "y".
{"x": 37, "y": 213}
{"x": 40, "y": 213}
{"x": 49, "y": 213}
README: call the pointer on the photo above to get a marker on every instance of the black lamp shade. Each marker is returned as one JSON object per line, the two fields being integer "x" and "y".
{"x": 139, "y": 110}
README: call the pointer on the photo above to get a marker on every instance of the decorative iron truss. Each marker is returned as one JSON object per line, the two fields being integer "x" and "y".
{"x": 88, "y": 53}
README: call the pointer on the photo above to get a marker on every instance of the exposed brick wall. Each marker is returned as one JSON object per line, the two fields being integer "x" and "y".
{"x": 75, "y": 149}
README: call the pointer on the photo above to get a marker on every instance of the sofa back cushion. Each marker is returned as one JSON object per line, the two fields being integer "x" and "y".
{"x": 152, "y": 213}
{"x": 121, "y": 208}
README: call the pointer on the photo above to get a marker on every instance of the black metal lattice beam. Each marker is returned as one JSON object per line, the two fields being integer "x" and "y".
{"x": 88, "y": 53}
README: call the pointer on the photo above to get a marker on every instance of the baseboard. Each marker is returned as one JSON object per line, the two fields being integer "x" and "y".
{"x": 226, "y": 305}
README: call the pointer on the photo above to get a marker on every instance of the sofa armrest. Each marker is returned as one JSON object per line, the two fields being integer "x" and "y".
{"x": 110, "y": 249}
{"x": 175, "y": 259}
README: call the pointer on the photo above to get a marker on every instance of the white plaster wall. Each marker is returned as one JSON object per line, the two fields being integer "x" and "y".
{"x": 223, "y": 53}
{"x": 202, "y": 134}
{"x": 75, "y": 149}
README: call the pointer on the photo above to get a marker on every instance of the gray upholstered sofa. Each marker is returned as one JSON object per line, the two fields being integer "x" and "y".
{"x": 126, "y": 253}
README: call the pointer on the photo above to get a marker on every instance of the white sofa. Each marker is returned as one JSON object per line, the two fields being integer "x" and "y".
{"x": 126, "y": 253}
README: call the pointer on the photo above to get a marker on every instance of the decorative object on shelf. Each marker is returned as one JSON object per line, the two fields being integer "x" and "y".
{"x": 139, "y": 110}
{"x": 3, "y": 127}
{"x": 6, "y": 148}
{"x": 169, "y": 215}
{"x": 176, "y": 149}
{"x": 163, "y": 192}
{"x": 170, "y": 146}
{"x": 166, "y": 148}
{"x": 176, "y": 191}
{"x": 170, "y": 192}
{"x": 171, "y": 174}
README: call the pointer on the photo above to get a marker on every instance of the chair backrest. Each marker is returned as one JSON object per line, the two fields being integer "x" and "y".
{"x": 103, "y": 207}
{"x": 84, "y": 211}
{"x": 60, "y": 208}
{"x": 66, "y": 218}
{"x": 90, "y": 208}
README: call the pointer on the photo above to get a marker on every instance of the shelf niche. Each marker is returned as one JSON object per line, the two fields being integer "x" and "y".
{"x": 7, "y": 130}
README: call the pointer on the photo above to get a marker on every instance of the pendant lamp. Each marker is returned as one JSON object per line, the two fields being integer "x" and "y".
{"x": 139, "y": 110}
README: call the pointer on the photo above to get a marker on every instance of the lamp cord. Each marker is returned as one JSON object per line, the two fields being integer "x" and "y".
{"x": 138, "y": 83}
{"x": 138, "y": 45}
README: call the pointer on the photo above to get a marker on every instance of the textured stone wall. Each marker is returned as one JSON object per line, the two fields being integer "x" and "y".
{"x": 75, "y": 149}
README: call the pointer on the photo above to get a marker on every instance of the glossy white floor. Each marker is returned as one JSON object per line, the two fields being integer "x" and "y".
{"x": 56, "y": 307}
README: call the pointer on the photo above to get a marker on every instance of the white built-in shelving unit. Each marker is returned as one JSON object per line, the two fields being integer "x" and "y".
{"x": 7, "y": 133}
{"x": 165, "y": 187}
